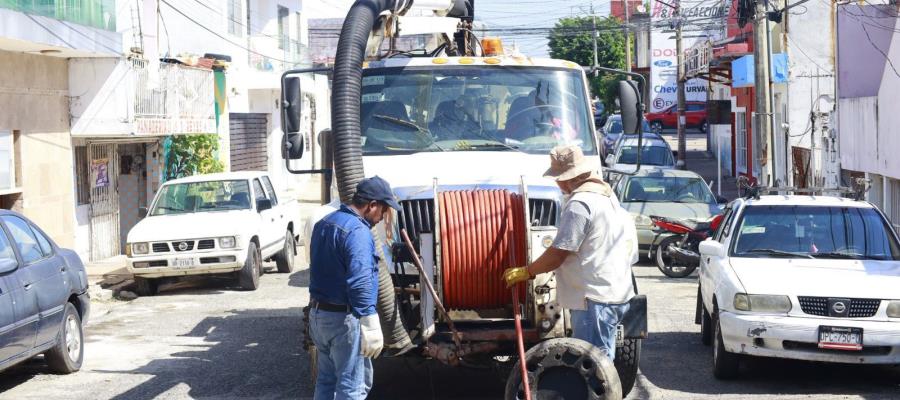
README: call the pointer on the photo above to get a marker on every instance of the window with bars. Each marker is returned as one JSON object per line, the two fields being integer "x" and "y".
{"x": 82, "y": 176}
{"x": 235, "y": 14}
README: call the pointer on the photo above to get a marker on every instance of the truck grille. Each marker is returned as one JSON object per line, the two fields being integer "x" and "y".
{"x": 206, "y": 244}
{"x": 183, "y": 245}
{"x": 543, "y": 212}
{"x": 160, "y": 247}
{"x": 417, "y": 217}
{"x": 859, "y": 308}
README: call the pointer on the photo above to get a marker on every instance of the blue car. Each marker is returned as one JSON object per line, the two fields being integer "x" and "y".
{"x": 611, "y": 132}
{"x": 43, "y": 297}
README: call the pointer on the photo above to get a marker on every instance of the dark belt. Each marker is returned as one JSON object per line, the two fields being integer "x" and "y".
{"x": 328, "y": 306}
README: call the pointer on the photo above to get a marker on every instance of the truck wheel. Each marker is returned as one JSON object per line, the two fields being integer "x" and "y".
{"x": 565, "y": 368}
{"x": 628, "y": 356}
{"x": 725, "y": 364}
{"x": 68, "y": 353}
{"x": 284, "y": 260}
{"x": 248, "y": 276}
{"x": 146, "y": 286}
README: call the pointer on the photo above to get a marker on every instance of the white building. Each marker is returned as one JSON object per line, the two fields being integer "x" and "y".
{"x": 88, "y": 129}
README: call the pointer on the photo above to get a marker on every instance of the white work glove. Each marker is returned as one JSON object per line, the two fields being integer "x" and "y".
{"x": 371, "y": 340}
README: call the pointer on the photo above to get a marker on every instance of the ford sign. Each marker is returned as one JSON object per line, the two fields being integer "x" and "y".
{"x": 662, "y": 63}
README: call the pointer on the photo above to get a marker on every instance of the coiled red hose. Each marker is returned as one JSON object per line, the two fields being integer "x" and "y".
{"x": 482, "y": 234}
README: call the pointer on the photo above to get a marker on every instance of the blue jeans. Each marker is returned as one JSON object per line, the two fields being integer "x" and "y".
{"x": 343, "y": 372}
{"x": 597, "y": 325}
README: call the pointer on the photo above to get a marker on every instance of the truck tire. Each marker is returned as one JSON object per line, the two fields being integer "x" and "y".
{"x": 628, "y": 357}
{"x": 248, "y": 276}
{"x": 565, "y": 368}
{"x": 68, "y": 353}
{"x": 146, "y": 286}
{"x": 725, "y": 364}
{"x": 284, "y": 260}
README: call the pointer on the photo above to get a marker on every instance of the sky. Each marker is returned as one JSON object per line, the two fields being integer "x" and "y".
{"x": 533, "y": 14}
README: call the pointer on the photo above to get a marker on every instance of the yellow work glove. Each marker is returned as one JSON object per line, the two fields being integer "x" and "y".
{"x": 513, "y": 276}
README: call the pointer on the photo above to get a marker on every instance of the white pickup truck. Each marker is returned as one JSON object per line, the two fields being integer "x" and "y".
{"x": 225, "y": 223}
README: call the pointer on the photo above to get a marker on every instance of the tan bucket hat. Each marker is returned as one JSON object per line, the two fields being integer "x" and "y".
{"x": 567, "y": 162}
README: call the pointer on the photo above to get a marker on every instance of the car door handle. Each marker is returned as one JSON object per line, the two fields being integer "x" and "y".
{"x": 62, "y": 268}
{"x": 28, "y": 286}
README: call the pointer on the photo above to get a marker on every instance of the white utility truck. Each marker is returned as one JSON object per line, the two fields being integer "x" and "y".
{"x": 462, "y": 131}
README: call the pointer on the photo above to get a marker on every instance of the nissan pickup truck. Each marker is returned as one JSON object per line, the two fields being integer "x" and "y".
{"x": 216, "y": 224}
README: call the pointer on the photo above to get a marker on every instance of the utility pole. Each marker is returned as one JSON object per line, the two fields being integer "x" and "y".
{"x": 594, "y": 33}
{"x": 763, "y": 94}
{"x": 682, "y": 140}
{"x": 627, "y": 40}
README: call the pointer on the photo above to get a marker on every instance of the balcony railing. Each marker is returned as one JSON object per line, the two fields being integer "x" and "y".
{"x": 173, "y": 98}
{"x": 277, "y": 54}
{"x": 94, "y": 13}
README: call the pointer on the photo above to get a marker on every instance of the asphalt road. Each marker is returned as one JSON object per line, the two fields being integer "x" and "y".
{"x": 202, "y": 339}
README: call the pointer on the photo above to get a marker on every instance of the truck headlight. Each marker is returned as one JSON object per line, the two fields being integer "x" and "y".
{"x": 763, "y": 303}
{"x": 139, "y": 248}
{"x": 893, "y": 309}
{"x": 227, "y": 242}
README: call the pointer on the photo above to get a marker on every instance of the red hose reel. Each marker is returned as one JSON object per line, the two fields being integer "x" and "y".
{"x": 483, "y": 233}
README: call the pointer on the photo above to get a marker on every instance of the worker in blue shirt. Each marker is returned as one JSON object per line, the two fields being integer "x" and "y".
{"x": 343, "y": 290}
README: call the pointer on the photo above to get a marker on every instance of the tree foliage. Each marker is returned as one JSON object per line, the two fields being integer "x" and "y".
{"x": 570, "y": 39}
{"x": 192, "y": 154}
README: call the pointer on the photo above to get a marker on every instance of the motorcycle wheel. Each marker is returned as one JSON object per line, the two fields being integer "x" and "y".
{"x": 669, "y": 265}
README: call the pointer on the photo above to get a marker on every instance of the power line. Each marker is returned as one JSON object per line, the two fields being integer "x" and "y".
{"x": 869, "y": 38}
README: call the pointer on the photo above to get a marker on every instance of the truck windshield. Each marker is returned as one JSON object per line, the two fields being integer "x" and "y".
{"x": 410, "y": 110}
{"x": 815, "y": 232}
{"x": 202, "y": 196}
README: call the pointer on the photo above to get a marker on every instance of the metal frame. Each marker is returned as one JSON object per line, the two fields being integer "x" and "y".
{"x": 328, "y": 172}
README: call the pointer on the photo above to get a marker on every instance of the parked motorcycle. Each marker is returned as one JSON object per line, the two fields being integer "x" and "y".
{"x": 677, "y": 256}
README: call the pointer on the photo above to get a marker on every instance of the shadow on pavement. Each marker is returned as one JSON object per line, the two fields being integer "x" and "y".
{"x": 678, "y": 361}
{"x": 420, "y": 379}
{"x": 299, "y": 278}
{"x": 248, "y": 354}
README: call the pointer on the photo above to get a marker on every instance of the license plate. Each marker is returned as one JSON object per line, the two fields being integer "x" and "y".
{"x": 620, "y": 335}
{"x": 183, "y": 263}
{"x": 840, "y": 338}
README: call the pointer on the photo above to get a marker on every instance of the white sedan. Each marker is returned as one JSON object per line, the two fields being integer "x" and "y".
{"x": 803, "y": 277}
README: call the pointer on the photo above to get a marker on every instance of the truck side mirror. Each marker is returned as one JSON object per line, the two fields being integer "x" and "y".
{"x": 291, "y": 103}
{"x": 630, "y": 104}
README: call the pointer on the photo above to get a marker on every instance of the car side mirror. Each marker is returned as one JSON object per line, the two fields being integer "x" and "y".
{"x": 263, "y": 205}
{"x": 142, "y": 212}
{"x": 721, "y": 200}
{"x": 8, "y": 265}
{"x": 712, "y": 248}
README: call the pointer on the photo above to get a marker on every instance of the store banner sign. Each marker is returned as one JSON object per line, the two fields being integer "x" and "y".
{"x": 99, "y": 173}
{"x": 701, "y": 19}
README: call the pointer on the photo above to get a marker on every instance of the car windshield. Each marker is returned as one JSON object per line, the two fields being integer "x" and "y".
{"x": 667, "y": 189}
{"x": 650, "y": 155}
{"x": 409, "y": 110}
{"x": 814, "y": 231}
{"x": 614, "y": 126}
{"x": 192, "y": 197}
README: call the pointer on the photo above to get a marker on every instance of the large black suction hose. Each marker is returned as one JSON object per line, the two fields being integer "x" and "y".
{"x": 345, "y": 125}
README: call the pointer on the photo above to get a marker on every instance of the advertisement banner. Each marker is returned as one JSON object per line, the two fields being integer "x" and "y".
{"x": 702, "y": 20}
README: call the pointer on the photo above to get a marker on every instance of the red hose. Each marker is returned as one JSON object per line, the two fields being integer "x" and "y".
{"x": 520, "y": 342}
{"x": 482, "y": 234}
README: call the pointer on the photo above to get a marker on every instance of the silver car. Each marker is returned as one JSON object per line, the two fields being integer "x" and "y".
{"x": 668, "y": 193}
{"x": 655, "y": 154}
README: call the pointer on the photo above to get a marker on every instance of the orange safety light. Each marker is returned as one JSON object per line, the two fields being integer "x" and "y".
{"x": 492, "y": 47}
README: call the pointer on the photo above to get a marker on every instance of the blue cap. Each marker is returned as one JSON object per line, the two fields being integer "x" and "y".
{"x": 376, "y": 189}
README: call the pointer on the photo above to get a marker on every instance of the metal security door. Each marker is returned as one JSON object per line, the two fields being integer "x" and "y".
{"x": 104, "y": 170}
